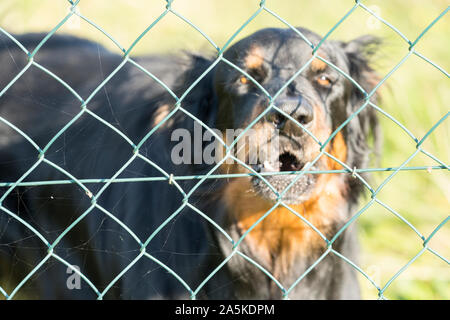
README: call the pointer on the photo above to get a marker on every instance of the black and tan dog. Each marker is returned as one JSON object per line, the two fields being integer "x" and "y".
{"x": 319, "y": 98}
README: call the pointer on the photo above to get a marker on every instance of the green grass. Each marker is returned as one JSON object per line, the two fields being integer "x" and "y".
{"x": 416, "y": 95}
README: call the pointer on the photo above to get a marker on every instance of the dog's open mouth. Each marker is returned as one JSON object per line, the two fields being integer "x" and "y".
{"x": 287, "y": 162}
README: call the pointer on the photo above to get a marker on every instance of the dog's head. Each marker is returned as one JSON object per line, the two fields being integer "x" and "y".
{"x": 310, "y": 107}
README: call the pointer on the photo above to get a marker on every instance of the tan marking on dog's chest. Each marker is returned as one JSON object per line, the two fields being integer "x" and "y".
{"x": 254, "y": 58}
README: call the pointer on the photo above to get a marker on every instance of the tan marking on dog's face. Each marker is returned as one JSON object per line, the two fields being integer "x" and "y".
{"x": 337, "y": 147}
{"x": 160, "y": 113}
{"x": 254, "y": 58}
{"x": 318, "y": 65}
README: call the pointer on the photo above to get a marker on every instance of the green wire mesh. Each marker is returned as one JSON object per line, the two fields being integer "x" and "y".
{"x": 143, "y": 243}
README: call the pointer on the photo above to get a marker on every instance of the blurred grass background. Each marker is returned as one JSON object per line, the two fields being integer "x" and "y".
{"x": 417, "y": 95}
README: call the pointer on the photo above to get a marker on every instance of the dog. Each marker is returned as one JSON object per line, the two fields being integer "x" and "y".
{"x": 220, "y": 236}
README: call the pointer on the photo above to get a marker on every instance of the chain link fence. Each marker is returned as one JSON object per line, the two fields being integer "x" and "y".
{"x": 264, "y": 6}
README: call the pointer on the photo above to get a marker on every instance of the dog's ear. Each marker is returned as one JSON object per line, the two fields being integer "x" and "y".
{"x": 360, "y": 53}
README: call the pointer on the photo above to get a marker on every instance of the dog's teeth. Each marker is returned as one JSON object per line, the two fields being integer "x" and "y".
{"x": 258, "y": 168}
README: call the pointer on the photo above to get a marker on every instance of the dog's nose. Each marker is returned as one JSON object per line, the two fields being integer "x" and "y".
{"x": 297, "y": 108}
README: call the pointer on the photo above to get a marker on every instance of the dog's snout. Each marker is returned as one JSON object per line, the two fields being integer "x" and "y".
{"x": 297, "y": 108}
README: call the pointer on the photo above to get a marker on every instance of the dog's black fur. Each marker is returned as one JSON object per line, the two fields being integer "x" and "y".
{"x": 131, "y": 101}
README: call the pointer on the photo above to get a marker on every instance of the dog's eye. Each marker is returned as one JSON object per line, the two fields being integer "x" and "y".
{"x": 324, "y": 81}
{"x": 243, "y": 80}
